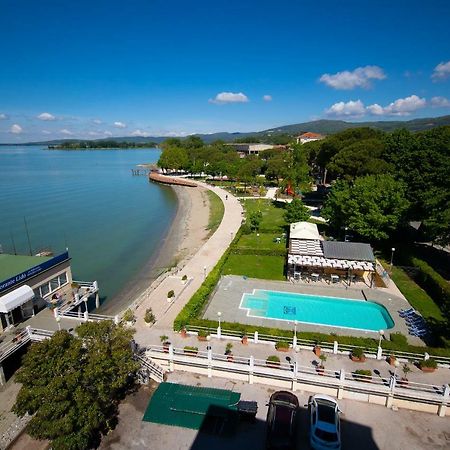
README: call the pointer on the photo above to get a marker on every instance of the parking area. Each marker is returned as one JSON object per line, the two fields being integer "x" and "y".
{"x": 364, "y": 426}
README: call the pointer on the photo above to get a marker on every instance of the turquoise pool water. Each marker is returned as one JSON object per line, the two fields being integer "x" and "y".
{"x": 314, "y": 309}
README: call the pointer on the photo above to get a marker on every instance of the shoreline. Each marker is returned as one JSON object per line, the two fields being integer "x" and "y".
{"x": 187, "y": 233}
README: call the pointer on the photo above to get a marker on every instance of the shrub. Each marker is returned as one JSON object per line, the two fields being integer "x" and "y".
{"x": 358, "y": 352}
{"x": 228, "y": 348}
{"x": 322, "y": 358}
{"x": 149, "y": 317}
{"x": 203, "y": 333}
{"x": 184, "y": 277}
{"x": 282, "y": 344}
{"x": 128, "y": 316}
{"x": 436, "y": 286}
{"x": 431, "y": 363}
{"x": 365, "y": 372}
{"x": 170, "y": 294}
{"x": 273, "y": 359}
{"x": 189, "y": 348}
{"x": 406, "y": 369}
{"x": 164, "y": 338}
{"x": 398, "y": 338}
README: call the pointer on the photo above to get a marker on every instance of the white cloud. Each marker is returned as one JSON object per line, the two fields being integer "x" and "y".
{"x": 66, "y": 132}
{"x": 16, "y": 129}
{"x": 267, "y": 98}
{"x": 120, "y": 125}
{"x": 3, "y": 116}
{"x": 140, "y": 133}
{"x": 97, "y": 121}
{"x": 347, "y": 109}
{"x": 46, "y": 116}
{"x": 46, "y": 132}
{"x": 440, "y": 102}
{"x": 400, "y": 107}
{"x": 441, "y": 71}
{"x": 107, "y": 133}
{"x": 229, "y": 97}
{"x": 360, "y": 77}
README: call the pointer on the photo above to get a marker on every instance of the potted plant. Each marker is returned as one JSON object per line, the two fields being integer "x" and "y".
{"x": 317, "y": 350}
{"x": 321, "y": 367}
{"x": 149, "y": 317}
{"x": 273, "y": 361}
{"x": 190, "y": 350}
{"x": 184, "y": 279}
{"x": 363, "y": 375}
{"x": 244, "y": 338}
{"x": 405, "y": 369}
{"x": 170, "y": 295}
{"x": 282, "y": 346}
{"x": 183, "y": 332}
{"x": 128, "y": 316}
{"x": 202, "y": 335}
{"x": 228, "y": 352}
{"x": 428, "y": 365}
{"x": 391, "y": 359}
{"x": 165, "y": 342}
{"x": 357, "y": 355}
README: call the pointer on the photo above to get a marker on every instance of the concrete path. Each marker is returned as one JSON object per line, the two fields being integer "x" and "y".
{"x": 196, "y": 269}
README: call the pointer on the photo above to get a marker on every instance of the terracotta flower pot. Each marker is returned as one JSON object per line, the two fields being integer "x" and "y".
{"x": 391, "y": 360}
{"x": 183, "y": 333}
{"x": 244, "y": 340}
{"x": 355, "y": 359}
{"x": 317, "y": 350}
{"x": 427, "y": 369}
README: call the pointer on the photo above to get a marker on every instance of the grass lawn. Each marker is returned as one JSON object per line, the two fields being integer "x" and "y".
{"x": 415, "y": 295}
{"x": 272, "y": 215}
{"x": 216, "y": 210}
{"x": 256, "y": 266}
{"x": 263, "y": 241}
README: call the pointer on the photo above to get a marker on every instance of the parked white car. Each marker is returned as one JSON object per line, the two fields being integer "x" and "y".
{"x": 325, "y": 431}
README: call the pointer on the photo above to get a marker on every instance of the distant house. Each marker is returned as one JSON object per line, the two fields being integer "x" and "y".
{"x": 246, "y": 149}
{"x": 309, "y": 137}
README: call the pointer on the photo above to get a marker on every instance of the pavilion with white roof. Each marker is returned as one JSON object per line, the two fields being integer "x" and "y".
{"x": 310, "y": 254}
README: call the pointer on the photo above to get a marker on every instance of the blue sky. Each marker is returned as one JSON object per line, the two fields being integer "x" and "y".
{"x": 93, "y": 69}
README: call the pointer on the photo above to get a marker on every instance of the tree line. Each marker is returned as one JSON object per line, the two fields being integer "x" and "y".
{"x": 380, "y": 181}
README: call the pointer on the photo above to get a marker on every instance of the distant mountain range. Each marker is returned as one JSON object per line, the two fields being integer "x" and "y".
{"x": 316, "y": 126}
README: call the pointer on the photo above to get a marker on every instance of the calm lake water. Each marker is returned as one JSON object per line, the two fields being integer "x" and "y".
{"x": 112, "y": 222}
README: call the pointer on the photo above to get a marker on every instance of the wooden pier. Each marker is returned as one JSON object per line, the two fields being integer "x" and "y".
{"x": 158, "y": 178}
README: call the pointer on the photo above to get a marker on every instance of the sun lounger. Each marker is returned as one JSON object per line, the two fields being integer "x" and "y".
{"x": 405, "y": 312}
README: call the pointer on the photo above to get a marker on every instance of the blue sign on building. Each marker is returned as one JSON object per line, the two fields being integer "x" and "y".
{"x": 33, "y": 271}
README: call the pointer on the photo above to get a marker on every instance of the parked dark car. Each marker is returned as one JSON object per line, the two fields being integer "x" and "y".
{"x": 281, "y": 421}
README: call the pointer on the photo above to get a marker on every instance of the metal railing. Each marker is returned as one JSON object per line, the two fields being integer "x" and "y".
{"x": 149, "y": 370}
{"x": 335, "y": 347}
{"x": 295, "y": 373}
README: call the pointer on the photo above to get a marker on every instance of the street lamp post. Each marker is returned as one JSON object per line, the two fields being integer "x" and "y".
{"x": 204, "y": 272}
{"x": 392, "y": 259}
{"x": 380, "y": 350}
{"x": 219, "y": 328}
{"x": 58, "y": 321}
{"x": 345, "y": 235}
{"x": 294, "y": 341}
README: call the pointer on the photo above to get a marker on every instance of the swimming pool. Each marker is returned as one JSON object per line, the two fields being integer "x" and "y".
{"x": 315, "y": 309}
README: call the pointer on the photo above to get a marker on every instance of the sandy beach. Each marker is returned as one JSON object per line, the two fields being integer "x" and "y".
{"x": 186, "y": 235}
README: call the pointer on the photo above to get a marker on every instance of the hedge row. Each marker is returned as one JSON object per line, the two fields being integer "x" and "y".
{"x": 398, "y": 341}
{"x": 194, "y": 306}
{"x": 433, "y": 283}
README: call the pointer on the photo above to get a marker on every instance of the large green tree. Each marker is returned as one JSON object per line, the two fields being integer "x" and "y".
{"x": 296, "y": 211}
{"x": 372, "y": 206}
{"x": 72, "y": 384}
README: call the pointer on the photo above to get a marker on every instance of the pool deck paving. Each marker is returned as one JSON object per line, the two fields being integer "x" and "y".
{"x": 228, "y": 295}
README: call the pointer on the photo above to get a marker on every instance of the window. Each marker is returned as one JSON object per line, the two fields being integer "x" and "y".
{"x": 54, "y": 284}
{"x": 44, "y": 290}
{"x": 63, "y": 279}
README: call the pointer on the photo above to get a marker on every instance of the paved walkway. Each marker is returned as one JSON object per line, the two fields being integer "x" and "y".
{"x": 196, "y": 269}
